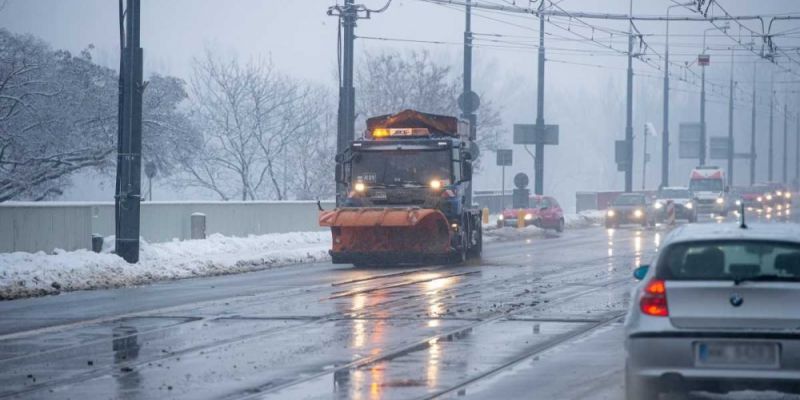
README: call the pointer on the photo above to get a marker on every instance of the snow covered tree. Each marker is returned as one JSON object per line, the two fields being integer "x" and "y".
{"x": 58, "y": 115}
{"x": 249, "y": 114}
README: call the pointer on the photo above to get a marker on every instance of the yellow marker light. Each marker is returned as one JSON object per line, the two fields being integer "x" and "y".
{"x": 436, "y": 184}
{"x": 720, "y": 200}
{"x": 528, "y": 217}
{"x": 380, "y": 133}
{"x": 611, "y": 213}
{"x": 360, "y": 187}
{"x": 638, "y": 213}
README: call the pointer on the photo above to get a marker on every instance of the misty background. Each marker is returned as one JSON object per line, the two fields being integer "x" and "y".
{"x": 584, "y": 91}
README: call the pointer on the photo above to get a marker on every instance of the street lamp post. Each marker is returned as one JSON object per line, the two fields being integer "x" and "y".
{"x": 665, "y": 129}
{"x": 703, "y": 97}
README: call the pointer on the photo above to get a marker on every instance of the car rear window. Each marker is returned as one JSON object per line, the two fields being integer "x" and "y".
{"x": 731, "y": 260}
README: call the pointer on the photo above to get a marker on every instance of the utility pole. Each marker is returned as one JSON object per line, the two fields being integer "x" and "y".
{"x": 644, "y": 157}
{"x": 702, "y": 160}
{"x": 348, "y": 14}
{"x": 730, "y": 127}
{"x": 629, "y": 110}
{"x": 753, "y": 132}
{"x": 539, "y": 161}
{"x": 797, "y": 155}
{"x": 785, "y": 169}
{"x": 771, "y": 108}
{"x": 128, "y": 193}
{"x": 468, "y": 98}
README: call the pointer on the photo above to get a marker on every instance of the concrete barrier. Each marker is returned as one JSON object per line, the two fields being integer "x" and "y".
{"x": 45, "y": 226}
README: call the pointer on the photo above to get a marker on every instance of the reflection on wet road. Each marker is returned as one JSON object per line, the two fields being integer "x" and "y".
{"x": 332, "y": 332}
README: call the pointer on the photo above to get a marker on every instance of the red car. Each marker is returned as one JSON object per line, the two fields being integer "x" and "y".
{"x": 543, "y": 212}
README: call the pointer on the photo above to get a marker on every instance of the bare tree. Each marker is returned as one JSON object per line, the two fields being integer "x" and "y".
{"x": 391, "y": 81}
{"x": 248, "y": 114}
{"x": 310, "y": 153}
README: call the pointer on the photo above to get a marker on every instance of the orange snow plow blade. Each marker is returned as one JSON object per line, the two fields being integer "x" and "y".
{"x": 387, "y": 235}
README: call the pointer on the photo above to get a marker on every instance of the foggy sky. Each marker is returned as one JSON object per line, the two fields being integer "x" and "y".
{"x": 587, "y": 101}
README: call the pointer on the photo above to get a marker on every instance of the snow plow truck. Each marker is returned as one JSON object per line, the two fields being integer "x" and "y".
{"x": 406, "y": 182}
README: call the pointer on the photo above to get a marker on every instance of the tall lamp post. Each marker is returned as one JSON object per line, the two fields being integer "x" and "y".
{"x": 665, "y": 129}
{"x": 703, "y": 95}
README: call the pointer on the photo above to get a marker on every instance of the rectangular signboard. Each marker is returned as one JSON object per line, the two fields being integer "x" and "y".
{"x": 689, "y": 136}
{"x": 529, "y": 134}
{"x": 504, "y": 157}
{"x": 718, "y": 148}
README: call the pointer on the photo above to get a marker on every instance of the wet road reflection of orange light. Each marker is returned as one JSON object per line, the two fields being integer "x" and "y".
{"x": 433, "y": 362}
{"x": 376, "y": 375}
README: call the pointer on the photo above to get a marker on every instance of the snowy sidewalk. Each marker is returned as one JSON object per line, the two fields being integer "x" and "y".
{"x": 34, "y": 274}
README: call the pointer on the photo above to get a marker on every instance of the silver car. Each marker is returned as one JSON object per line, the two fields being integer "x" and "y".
{"x": 717, "y": 311}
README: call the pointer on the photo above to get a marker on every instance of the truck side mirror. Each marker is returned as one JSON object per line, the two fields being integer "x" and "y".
{"x": 339, "y": 177}
{"x": 467, "y": 171}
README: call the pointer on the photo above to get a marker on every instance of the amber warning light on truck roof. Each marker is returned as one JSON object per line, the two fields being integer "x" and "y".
{"x": 405, "y": 132}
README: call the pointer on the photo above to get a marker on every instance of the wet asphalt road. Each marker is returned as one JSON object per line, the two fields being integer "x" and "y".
{"x": 537, "y": 318}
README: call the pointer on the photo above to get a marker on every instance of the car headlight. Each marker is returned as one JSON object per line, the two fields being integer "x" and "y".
{"x": 658, "y": 205}
{"x": 638, "y": 213}
{"x": 759, "y": 199}
{"x": 720, "y": 200}
{"x": 611, "y": 213}
{"x": 779, "y": 193}
{"x": 528, "y": 217}
{"x": 769, "y": 197}
{"x": 500, "y": 217}
{"x": 689, "y": 205}
{"x": 738, "y": 202}
{"x": 788, "y": 195}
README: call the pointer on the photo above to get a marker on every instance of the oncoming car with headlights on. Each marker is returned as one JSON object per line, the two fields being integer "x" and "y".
{"x": 717, "y": 312}
{"x": 544, "y": 212}
{"x": 630, "y": 208}
{"x": 681, "y": 199}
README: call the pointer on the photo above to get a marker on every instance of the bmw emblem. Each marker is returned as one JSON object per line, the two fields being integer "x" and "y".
{"x": 736, "y": 300}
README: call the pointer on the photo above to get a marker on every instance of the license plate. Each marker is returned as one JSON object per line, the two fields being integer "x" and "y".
{"x": 736, "y": 354}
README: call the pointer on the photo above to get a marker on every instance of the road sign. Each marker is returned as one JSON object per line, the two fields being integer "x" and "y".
{"x": 718, "y": 148}
{"x": 689, "y": 136}
{"x": 703, "y": 60}
{"x": 469, "y": 103}
{"x": 521, "y": 180}
{"x": 504, "y": 157}
{"x": 520, "y": 198}
{"x": 529, "y": 134}
{"x": 621, "y": 153}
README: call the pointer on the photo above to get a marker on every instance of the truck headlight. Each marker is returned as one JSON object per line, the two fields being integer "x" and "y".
{"x": 360, "y": 187}
{"x": 720, "y": 200}
{"x": 689, "y": 205}
{"x": 436, "y": 184}
{"x": 638, "y": 213}
{"x": 658, "y": 205}
{"x": 528, "y": 217}
{"x": 611, "y": 213}
{"x": 500, "y": 218}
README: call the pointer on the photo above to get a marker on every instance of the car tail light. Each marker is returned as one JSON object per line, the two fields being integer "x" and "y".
{"x": 654, "y": 299}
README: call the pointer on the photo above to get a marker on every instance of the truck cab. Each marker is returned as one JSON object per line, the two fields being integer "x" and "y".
{"x": 708, "y": 187}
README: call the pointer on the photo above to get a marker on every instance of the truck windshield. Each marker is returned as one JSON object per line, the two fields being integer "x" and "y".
{"x": 628, "y": 200}
{"x": 705, "y": 185}
{"x": 392, "y": 168}
{"x": 731, "y": 260}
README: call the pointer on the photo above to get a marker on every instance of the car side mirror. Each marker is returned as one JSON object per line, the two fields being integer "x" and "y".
{"x": 640, "y": 272}
{"x": 339, "y": 177}
{"x": 467, "y": 171}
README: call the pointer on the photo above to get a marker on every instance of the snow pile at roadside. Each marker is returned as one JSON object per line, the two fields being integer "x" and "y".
{"x": 31, "y": 274}
{"x": 511, "y": 233}
{"x": 584, "y": 218}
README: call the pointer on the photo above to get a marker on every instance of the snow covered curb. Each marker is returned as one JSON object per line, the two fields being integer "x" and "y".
{"x": 584, "y": 219}
{"x": 33, "y": 274}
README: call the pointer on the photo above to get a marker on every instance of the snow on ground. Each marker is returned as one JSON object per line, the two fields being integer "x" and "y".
{"x": 583, "y": 219}
{"x": 31, "y": 274}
